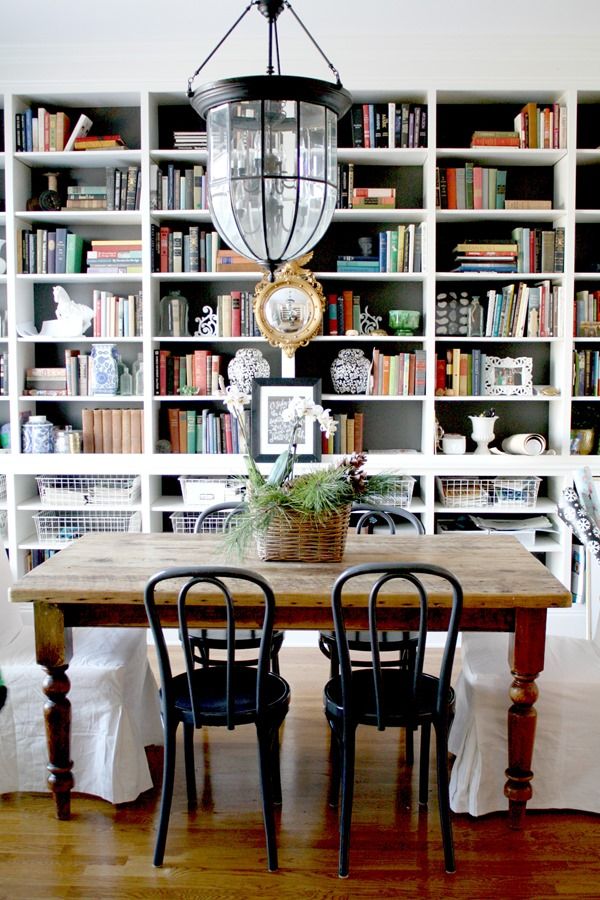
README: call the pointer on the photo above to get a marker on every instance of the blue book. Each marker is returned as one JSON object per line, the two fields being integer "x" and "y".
{"x": 61, "y": 251}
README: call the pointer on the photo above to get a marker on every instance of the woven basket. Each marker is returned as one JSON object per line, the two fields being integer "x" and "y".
{"x": 291, "y": 537}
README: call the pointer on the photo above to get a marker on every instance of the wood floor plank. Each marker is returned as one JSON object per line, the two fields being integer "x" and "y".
{"x": 218, "y": 852}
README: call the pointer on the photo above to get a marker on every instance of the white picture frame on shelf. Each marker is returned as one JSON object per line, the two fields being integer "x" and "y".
{"x": 506, "y": 376}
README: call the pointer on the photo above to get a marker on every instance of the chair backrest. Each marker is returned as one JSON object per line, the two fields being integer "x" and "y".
{"x": 224, "y": 581}
{"x": 212, "y": 518}
{"x": 374, "y": 514}
{"x": 425, "y": 579}
{"x": 10, "y": 616}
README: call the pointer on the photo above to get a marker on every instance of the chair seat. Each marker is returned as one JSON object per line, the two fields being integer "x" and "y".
{"x": 566, "y": 757}
{"x": 210, "y": 690}
{"x": 115, "y": 714}
{"x": 395, "y": 686}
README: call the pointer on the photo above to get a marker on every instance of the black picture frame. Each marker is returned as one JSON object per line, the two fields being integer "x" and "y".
{"x": 270, "y": 396}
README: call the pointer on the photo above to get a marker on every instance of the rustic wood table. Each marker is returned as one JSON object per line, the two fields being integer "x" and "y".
{"x": 99, "y": 580}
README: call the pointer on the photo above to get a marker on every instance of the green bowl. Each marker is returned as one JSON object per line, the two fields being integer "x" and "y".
{"x": 404, "y": 321}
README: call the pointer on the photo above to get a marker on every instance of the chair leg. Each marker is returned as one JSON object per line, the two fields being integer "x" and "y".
{"x": 190, "y": 765}
{"x": 441, "y": 745}
{"x": 410, "y": 745}
{"x": 335, "y": 739}
{"x": 347, "y": 754}
{"x": 275, "y": 768}
{"x": 166, "y": 795}
{"x": 265, "y": 737}
{"x": 424, "y": 763}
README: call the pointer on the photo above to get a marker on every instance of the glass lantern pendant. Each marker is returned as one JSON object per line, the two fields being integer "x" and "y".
{"x": 272, "y": 154}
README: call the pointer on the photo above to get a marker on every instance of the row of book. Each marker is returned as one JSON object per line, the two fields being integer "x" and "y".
{"x": 199, "y": 370}
{"x": 178, "y": 187}
{"x": 48, "y": 252}
{"x": 174, "y": 250}
{"x": 524, "y": 310}
{"x": 402, "y": 374}
{"x": 586, "y": 373}
{"x": 542, "y": 127}
{"x": 38, "y": 130}
{"x": 112, "y": 430}
{"x": 586, "y": 313}
{"x": 470, "y": 187}
{"x": 530, "y": 250}
{"x": 190, "y": 140}
{"x": 460, "y": 374}
{"x": 343, "y": 312}
{"x": 36, "y": 557}
{"x": 235, "y": 315}
{"x": 399, "y": 250}
{"x": 202, "y": 431}
{"x": 348, "y": 436}
{"x": 389, "y": 125}
{"x": 120, "y": 256}
{"x": 117, "y": 315}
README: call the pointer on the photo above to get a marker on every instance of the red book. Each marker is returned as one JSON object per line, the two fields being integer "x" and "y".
{"x": 440, "y": 375}
{"x": 359, "y": 421}
{"x": 366, "y": 126}
{"x": 173, "y": 417}
{"x": 228, "y": 436}
{"x": 451, "y": 187}
{"x": 200, "y": 360}
{"x": 347, "y": 307}
{"x": 164, "y": 248}
{"x": 236, "y": 314}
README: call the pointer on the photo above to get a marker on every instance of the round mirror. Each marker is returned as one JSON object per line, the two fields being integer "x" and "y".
{"x": 289, "y": 309}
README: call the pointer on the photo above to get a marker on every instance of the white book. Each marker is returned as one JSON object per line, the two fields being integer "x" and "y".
{"x": 82, "y": 128}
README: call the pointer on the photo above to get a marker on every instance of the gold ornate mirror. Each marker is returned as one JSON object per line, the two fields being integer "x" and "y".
{"x": 289, "y": 309}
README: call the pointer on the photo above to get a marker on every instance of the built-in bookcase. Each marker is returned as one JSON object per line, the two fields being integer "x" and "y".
{"x": 399, "y": 431}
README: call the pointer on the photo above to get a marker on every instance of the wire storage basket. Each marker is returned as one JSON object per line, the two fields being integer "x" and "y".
{"x": 184, "y": 522}
{"x": 203, "y": 492}
{"x": 3, "y": 523}
{"x": 401, "y": 494}
{"x": 62, "y": 527}
{"x": 2, "y": 487}
{"x": 68, "y": 491}
{"x": 463, "y": 493}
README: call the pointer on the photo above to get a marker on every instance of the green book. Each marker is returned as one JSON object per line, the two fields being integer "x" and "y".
{"x": 74, "y": 256}
{"x": 191, "y": 431}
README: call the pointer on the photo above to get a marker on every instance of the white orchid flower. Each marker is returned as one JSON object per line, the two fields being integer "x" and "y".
{"x": 233, "y": 398}
{"x": 327, "y": 423}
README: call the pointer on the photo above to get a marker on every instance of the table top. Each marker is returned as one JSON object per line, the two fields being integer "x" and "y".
{"x": 107, "y": 572}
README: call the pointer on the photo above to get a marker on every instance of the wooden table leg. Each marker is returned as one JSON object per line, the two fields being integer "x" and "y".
{"x": 53, "y": 652}
{"x": 526, "y": 660}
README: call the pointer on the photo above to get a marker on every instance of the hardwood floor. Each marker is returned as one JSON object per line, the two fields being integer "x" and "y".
{"x": 218, "y": 852}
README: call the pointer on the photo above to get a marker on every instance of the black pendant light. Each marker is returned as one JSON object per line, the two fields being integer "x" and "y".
{"x": 272, "y": 152}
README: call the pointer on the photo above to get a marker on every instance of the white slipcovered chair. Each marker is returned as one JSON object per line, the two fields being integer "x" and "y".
{"x": 566, "y": 756}
{"x": 115, "y": 708}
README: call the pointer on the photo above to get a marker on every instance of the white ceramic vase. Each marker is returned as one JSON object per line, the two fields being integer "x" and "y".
{"x": 483, "y": 431}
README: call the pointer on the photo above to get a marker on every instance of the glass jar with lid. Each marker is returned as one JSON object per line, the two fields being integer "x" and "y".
{"x": 174, "y": 315}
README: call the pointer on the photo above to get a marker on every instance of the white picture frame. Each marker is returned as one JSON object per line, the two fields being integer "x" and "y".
{"x": 503, "y": 377}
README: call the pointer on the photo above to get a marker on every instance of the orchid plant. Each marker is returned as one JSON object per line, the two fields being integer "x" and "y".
{"x": 313, "y": 495}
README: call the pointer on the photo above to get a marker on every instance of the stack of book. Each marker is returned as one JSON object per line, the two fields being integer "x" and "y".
{"x": 86, "y": 196}
{"x": 377, "y": 198}
{"x": 113, "y": 430}
{"x": 470, "y": 187}
{"x": 486, "y": 256}
{"x": 114, "y": 257}
{"x": 231, "y": 261}
{"x": 359, "y": 264}
{"x": 100, "y": 142}
{"x": 46, "y": 381}
{"x": 495, "y": 139}
{"x": 189, "y": 140}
